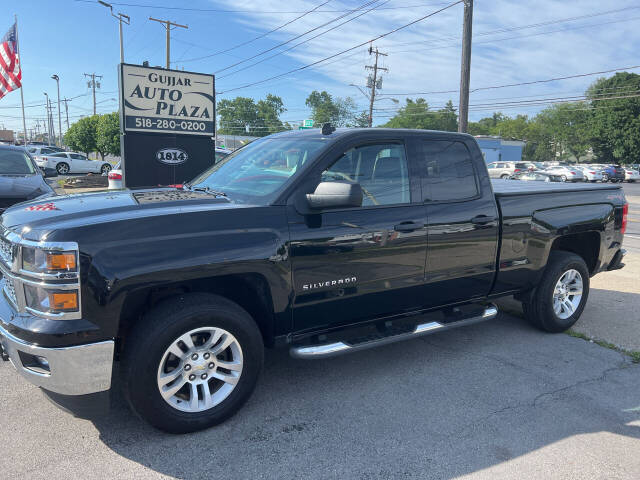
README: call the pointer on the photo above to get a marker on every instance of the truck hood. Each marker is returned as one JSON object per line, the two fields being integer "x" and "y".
{"x": 67, "y": 211}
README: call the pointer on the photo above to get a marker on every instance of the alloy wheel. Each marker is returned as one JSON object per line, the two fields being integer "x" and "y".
{"x": 567, "y": 294}
{"x": 200, "y": 369}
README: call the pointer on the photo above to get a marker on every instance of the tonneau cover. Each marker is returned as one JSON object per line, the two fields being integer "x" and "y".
{"x": 504, "y": 188}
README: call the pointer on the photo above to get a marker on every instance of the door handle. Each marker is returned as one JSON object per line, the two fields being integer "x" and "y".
{"x": 407, "y": 227}
{"x": 483, "y": 219}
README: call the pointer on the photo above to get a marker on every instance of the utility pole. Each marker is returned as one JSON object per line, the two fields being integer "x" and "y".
{"x": 46, "y": 107}
{"x": 168, "y": 24}
{"x": 66, "y": 110}
{"x": 465, "y": 70}
{"x": 373, "y": 81}
{"x": 92, "y": 84}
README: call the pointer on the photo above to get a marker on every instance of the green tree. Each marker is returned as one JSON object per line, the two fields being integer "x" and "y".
{"x": 567, "y": 127}
{"x": 325, "y": 108}
{"x": 614, "y": 125}
{"x": 243, "y": 116}
{"x": 82, "y": 136}
{"x": 108, "y": 134}
{"x": 416, "y": 114}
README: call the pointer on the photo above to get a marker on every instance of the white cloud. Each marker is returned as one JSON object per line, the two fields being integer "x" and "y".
{"x": 426, "y": 56}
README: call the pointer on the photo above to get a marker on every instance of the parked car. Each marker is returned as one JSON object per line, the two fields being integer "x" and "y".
{"x": 631, "y": 175}
{"x": 567, "y": 174}
{"x": 72, "y": 162}
{"x": 506, "y": 169}
{"x": 115, "y": 177}
{"x": 20, "y": 177}
{"x": 37, "y": 151}
{"x": 591, "y": 174}
{"x": 613, "y": 173}
{"x": 221, "y": 153}
{"x": 537, "y": 177}
{"x": 333, "y": 253}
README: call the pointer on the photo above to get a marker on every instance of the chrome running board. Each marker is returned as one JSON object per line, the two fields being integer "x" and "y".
{"x": 342, "y": 347}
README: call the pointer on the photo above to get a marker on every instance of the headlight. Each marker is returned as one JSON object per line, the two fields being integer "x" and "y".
{"x": 50, "y": 300}
{"x": 43, "y": 261}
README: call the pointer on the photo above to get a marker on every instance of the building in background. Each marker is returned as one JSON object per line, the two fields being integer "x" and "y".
{"x": 6, "y": 136}
{"x": 496, "y": 149}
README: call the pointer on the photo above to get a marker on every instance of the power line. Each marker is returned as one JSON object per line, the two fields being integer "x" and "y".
{"x": 346, "y": 50}
{"x": 267, "y": 33}
{"x": 255, "y": 12}
{"x": 304, "y": 41}
{"x": 492, "y": 87}
{"x": 457, "y": 44}
{"x": 364, "y": 5}
{"x": 525, "y": 27}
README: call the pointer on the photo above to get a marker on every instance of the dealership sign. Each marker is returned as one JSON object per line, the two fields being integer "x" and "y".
{"x": 167, "y": 101}
{"x": 167, "y": 125}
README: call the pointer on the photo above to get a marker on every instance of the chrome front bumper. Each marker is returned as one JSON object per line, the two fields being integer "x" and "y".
{"x": 76, "y": 370}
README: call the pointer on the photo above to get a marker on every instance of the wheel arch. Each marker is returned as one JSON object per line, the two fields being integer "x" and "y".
{"x": 583, "y": 244}
{"x": 248, "y": 290}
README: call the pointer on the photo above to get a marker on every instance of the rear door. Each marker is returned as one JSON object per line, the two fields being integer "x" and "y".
{"x": 355, "y": 264}
{"x": 462, "y": 221}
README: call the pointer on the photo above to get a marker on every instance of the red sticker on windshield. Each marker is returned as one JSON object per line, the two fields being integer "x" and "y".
{"x": 43, "y": 207}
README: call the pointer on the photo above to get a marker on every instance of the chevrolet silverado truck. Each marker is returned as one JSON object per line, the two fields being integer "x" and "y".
{"x": 323, "y": 241}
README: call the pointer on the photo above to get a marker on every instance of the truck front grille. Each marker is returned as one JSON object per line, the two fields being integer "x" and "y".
{"x": 6, "y": 252}
{"x": 10, "y": 291}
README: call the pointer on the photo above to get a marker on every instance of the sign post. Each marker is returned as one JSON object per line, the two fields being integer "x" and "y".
{"x": 306, "y": 124}
{"x": 167, "y": 125}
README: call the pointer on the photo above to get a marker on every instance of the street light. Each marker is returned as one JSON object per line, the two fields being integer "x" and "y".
{"x": 57, "y": 79}
{"x": 120, "y": 17}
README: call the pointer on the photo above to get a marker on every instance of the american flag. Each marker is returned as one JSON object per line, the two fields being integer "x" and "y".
{"x": 10, "y": 73}
{"x": 43, "y": 207}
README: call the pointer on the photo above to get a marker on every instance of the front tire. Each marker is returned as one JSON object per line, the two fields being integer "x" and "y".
{"x": 105, "y": 169}
{"x": 560, "y": 297}
{"x": 191, "y": 362}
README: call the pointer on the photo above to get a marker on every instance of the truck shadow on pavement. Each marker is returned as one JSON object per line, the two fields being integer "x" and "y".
{"x": 437, "y": 407}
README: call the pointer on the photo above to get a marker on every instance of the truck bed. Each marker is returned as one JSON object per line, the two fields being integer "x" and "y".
{"x": 503, "y": 188}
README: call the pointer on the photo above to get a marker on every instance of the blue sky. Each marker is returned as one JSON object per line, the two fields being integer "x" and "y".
{"x": 70, "y": 38}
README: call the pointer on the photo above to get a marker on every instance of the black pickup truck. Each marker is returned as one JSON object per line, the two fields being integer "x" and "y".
{"x": 326, "y": 242}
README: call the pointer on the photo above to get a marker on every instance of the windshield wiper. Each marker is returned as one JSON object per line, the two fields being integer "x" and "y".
{"x": 205, "y": 190}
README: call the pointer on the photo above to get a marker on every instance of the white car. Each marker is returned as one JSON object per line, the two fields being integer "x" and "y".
{"x": 115, "y": 177}
{"x": 567, "y": 174}
{"x": 631, "y": 175}
{"x": 591, "y": 174}
{"x": 72, "y": 162}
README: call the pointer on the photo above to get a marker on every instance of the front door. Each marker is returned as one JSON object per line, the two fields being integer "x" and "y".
{"x": 80, "y": 163}
{"x": 463, "y": 222}
{"x": 354, "y": 264}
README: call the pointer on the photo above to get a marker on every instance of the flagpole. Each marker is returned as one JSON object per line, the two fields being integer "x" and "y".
{"x": 24, "y": 122}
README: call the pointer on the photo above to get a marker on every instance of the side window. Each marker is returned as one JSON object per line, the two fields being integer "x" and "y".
{"x": 57, "y": 154}
{"x": 491, "y": 166}
{"x": 380, "y": 169}
{"x": 449, "y": 173}
{"x": 77, "y": 156}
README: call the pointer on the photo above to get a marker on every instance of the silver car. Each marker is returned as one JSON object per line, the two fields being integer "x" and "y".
{"x": 506, "y": 169}
{"x": 567, "y": 173}
{"x": 591, "y": 174}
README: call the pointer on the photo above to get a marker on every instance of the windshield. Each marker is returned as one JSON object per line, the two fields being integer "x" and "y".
{"x": 13, "y": 162}
{"x": 257, "y": 172}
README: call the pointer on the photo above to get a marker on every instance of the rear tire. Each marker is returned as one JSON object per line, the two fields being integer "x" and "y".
{"x": 62, "y": 168}
{"x": 541, "y": 308}
{"x": 105, "y": 169}
{"x": 148, "y": 351}
{"x": 504, "y": 177}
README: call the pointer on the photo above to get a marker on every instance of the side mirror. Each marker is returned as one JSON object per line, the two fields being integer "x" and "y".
{"x": 335, "y": 195}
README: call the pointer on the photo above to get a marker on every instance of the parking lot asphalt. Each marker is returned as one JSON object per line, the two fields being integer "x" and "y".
{"x": 494, "y": 400}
